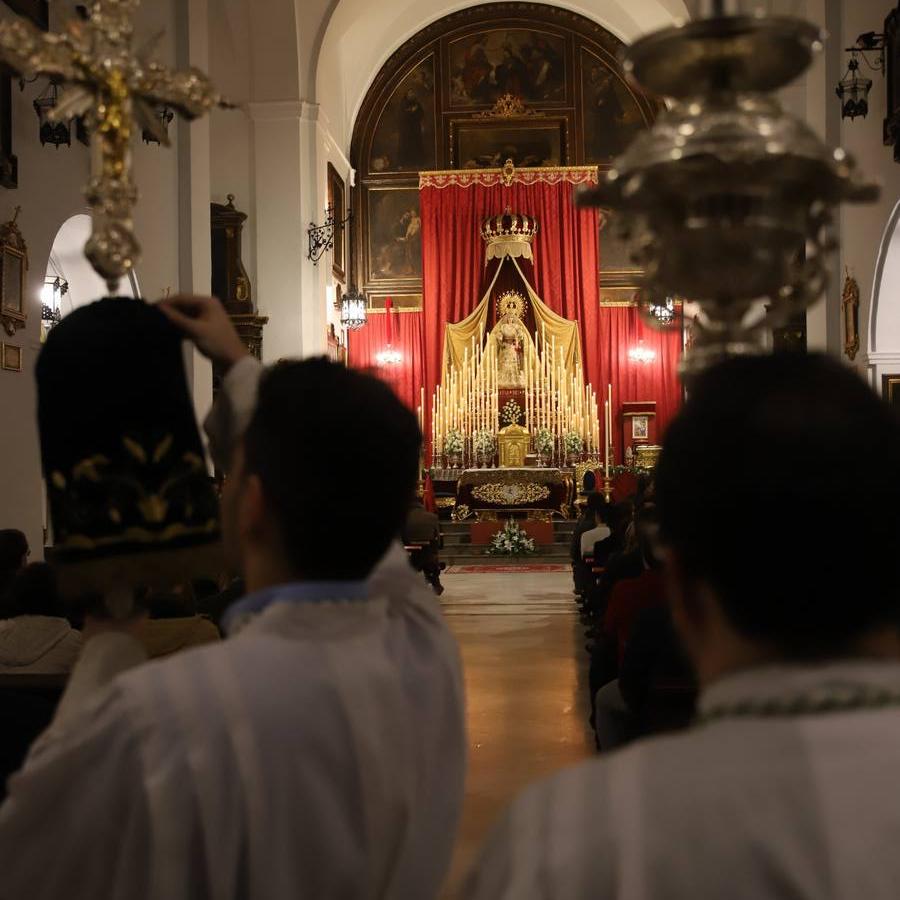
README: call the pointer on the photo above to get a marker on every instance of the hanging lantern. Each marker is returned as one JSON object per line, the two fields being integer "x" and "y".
{"x": 354, "y": 312}
{"x": 56, "y": 133}
{"x": 159, "y": 134}
{"x": 52, "y": 292}
{"x": 853, "y": 91}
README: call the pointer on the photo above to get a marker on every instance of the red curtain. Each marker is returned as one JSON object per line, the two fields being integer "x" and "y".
{"x": 406, "y": 378}
{"x": 621, "y": 329}
{"x": 565, "y": 266}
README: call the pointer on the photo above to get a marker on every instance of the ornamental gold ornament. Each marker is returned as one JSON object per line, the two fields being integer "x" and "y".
{"x": 514, "y": 494}
{"x": 115, "y": 88}
{"x": 511, "y": 303}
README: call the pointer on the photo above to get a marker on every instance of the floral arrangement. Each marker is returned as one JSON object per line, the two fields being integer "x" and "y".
{"x": 510, "y": 541}
{"x": 543, "y": 441}
{"x": 573, "y": 443}
{"x": 483, "y": 443}
{"x": 511, "y": 413}
{"x": 453, "y": 442}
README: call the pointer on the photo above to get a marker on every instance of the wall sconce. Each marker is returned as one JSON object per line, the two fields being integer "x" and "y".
{"x": 321, "y": 237}
{"x": 853, "y": 89}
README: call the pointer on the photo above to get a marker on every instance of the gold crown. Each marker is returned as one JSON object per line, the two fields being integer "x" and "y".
{"x": 509, "y": 228}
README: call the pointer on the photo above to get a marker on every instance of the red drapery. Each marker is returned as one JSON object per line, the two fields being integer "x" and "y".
{"x": 621, "y": 329}
{"x": 408, "y": 377}
{"x": 565, "y": 265}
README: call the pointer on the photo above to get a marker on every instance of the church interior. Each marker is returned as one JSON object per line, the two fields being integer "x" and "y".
{"x": 489, "y": 208}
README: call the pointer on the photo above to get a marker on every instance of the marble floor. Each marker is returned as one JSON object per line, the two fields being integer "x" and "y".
{"x": 525, "y": 671}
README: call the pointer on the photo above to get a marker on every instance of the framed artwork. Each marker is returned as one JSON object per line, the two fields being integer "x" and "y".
{"x": 612, "y": 115}
{"x": 401, "y": 302}
{"x": 11, "y": 357}
{"x": 395, "y": 234}
{"x": 525, "y": 62}
{"x": 405, "y": 138}
{"x": 13, "y": 265}
{"x": 890, "y": 389}
{"x": 892, "y": 80}
{"x": 640, "y": 428}
{"x": 616, "y": 264}
{"x": 338, "y": 202}
{"x": 488, "y": 143}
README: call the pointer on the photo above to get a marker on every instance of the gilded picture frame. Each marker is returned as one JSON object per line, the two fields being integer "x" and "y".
{"x": 11, "y": 357}
{"x": 337, "y": 200}
{"x": 528, "y": 141}
{"x": 890, "y": 389}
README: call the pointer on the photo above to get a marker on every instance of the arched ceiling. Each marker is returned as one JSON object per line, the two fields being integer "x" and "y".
{"x": 361, "y": 35}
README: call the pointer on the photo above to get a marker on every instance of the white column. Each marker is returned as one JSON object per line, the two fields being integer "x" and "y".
{"x": 194, "y": 262}
{"x": 279, "y": 225}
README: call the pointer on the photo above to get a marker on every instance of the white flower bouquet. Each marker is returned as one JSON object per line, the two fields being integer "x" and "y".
{"x": 483, "y": 443}
{"x": 543, "y": 441}
{"x": 453, "y": 442}
{"x": 510, "y": 541}
{"x": 573, "y": 443}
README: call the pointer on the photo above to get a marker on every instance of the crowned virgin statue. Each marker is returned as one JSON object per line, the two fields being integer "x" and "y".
{"x": 511, "y": 338}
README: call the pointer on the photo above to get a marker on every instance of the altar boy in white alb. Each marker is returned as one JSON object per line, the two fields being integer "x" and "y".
{"x": 783, "y": 537}
{"x": 319, "y": 751}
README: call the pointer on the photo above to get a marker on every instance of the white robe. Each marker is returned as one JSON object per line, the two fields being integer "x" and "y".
{"x": 804, "y": 807}
{"x": 318, "y": 753}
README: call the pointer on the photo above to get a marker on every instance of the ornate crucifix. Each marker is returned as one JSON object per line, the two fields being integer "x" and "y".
{"x": 114, "y": 87}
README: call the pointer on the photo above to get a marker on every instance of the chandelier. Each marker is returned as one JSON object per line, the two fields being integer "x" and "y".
{"x": 727, "y": 199}
{"x": 642, "y": 355}
{"x": 389, "y": 357}
{"x": 354, "y": 312}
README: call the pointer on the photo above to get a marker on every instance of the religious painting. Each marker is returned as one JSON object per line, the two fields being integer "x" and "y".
{"x": 485, "y": 144}
{"x": 338, "y": 204}
{"x": 612, "y": 116}
{"x": 524, "y": 62}
{"x": 615, "y": 252}
{"x": 640, "y": 428}
{"x": 395, "y": 234}
{"x": 13, "y": 277}
{"x": 404, "y": 139}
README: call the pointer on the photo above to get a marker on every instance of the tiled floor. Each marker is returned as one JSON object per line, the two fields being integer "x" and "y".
{"x": 525, "y": 671}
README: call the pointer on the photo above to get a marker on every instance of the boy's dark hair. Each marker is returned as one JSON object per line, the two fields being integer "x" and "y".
{"x": 323, "y": 440}
{"x": 775, "y": 487}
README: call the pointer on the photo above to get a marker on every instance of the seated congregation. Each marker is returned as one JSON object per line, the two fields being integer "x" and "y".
{"x": 296, "y": 728}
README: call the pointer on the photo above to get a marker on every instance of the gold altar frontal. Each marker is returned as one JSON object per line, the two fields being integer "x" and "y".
{"x": 540, "y": 492}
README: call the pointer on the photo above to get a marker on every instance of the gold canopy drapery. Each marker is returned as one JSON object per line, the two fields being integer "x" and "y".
{"x": 564, "y": 333}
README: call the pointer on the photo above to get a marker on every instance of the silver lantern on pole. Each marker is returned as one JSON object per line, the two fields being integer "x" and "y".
{"x": 727, "y": 199}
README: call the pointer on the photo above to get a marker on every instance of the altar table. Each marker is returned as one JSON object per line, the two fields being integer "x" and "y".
{"x": 492, "y": 491}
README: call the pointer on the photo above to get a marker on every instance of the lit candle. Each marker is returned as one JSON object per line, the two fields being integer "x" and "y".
{"x": 606, "y": 449}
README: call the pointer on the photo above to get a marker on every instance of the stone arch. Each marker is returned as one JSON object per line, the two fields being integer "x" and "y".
{"x": 360, "y": 36}
{"x": 884, "y": 310}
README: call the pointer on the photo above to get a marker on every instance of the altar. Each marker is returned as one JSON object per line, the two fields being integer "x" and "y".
{"x": 539, "y": 492}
